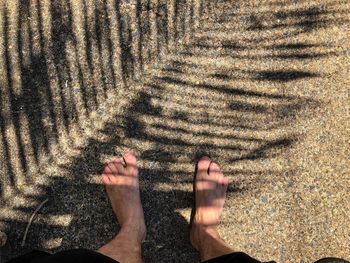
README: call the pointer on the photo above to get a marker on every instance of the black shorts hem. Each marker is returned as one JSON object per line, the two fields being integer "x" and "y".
{"x": 67, "y": 256}
{"x": 236, "y": 257}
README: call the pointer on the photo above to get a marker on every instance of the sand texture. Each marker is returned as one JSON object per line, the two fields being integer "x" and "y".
{"x": 260, "y": 86}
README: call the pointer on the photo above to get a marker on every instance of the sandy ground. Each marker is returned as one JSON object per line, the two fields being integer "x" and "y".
{"x": 260, "y": 86}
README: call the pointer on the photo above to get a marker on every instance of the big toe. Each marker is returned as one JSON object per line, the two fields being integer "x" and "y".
{"x": 203, "y": 166}
{"x": 131, "y": 163}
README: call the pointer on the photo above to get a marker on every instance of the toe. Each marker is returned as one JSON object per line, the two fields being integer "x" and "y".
{"x": 131, "y": 163}
{"x": 108, "y": 177}
{"x": 224, "y": 181}
{"x": 215, "y": 172}
{"x": 112, "y": 169}
{"x": 203, "y": 166}
{"x": 105, "y": 179}
{"x": 116, "y": 167}
{"x": 223, "y": 185}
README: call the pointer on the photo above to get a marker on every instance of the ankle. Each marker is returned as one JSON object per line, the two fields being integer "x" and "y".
{"x": 126, "y": 242}
{"x": 209, "y": 243}
{"x": 122, "y": 248}
{"x": 134, "y": 233}
{"x": 205, "y": 230}
{"x": 210, "y": 230}
{"x": 200, "y": 234}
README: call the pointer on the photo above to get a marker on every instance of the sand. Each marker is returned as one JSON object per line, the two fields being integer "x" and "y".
{"x": 260, "y": 86}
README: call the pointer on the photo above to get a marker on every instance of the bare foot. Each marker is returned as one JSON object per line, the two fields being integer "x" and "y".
{"x": 210, "y": 192}
{"x": 122, "y": 186}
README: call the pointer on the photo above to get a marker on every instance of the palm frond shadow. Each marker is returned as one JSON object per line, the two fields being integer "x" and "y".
{"x": 185, "y": 109}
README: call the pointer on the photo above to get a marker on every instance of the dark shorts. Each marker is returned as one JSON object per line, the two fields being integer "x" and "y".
{"x": 84, "y": 255}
